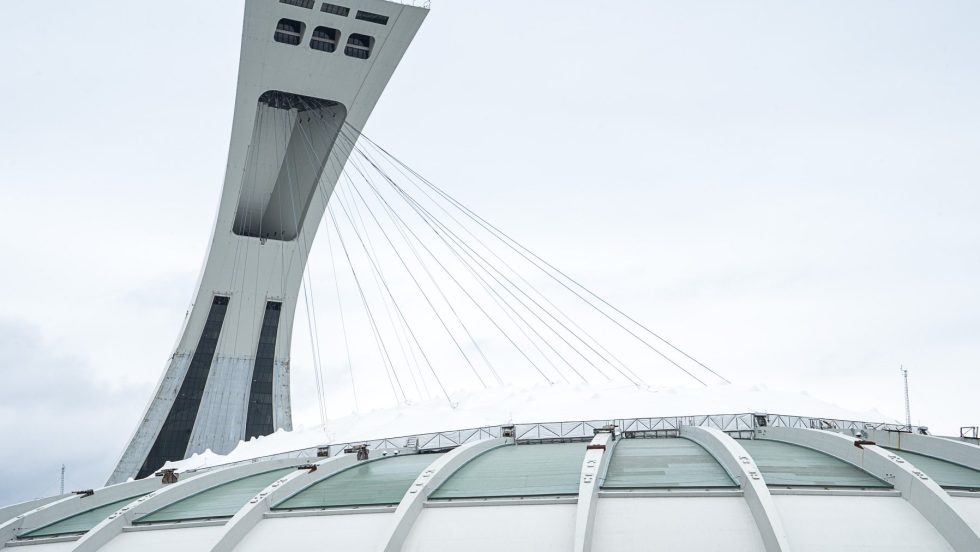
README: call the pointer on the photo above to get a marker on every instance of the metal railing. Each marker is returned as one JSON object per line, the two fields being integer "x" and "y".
{"x": 738, "y": 425}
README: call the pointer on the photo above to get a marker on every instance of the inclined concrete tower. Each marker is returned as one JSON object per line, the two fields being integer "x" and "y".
{"x": 307, "y": 67}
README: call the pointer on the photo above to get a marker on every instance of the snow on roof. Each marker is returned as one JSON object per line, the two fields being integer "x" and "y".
{"x": 513, "y": 404}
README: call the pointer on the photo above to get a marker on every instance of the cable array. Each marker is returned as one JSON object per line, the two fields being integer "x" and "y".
{"x": 437, "y": 298}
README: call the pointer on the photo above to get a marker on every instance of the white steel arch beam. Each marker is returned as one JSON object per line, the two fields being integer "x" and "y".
{"x": 958, "y": 452}
{"x": 594, "y": 464}
{"x": 10, "y": 512}
{"x": 250, "y": 514}
{"x": 924, "y": 494}
{"x": 38, "y": 517}
{"x": 734, "y": 458}
{"x": 112, "y": 526}
{"x": 71, "y": 505}
{"x": 435, "y": 475}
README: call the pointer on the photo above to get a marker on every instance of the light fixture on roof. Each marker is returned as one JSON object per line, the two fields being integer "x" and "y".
{"x": 611, "y": 428}
{"x": 169, "y": 476}
{"x": 360, "y": 450}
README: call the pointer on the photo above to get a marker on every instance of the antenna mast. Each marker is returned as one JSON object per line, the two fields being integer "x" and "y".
{"x": 908, "y": 413}
{"x": 61, "y": 488}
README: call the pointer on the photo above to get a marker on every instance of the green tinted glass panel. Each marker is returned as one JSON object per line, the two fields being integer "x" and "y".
{"x": 946, "y": 473}
{"x": 372, "y": 483}
{"x": 658, "y": 463}
{"x": 792, "y": 465}
{"x": 80, "y": 523}
{"x": 218, "y": 502}
{"x": 521, "y": 470}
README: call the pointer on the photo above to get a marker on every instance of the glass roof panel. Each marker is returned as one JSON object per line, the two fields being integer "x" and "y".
{"x": 658, "y": 463}
{"x": 944, "y": 472}
{"x": 222, "y": 501}
{"x": 521, "y": 470}
{"x": 80, "y": 523}
{"x": 792, "y": 465}
{"x": 372, "y": 483}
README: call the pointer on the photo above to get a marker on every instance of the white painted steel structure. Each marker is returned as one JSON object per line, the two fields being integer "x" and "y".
{"x": 410, "y": 507}
{"x": 930, "y": 501}
{"x": 252, "y": 513}
{"x": 219, "y": 386}
{"x": 737, "y": 461}
{"x": 113, "y": 526}
{"x": 73, "y": 504}
{"x": 593, "y": 467}
{"x": 915, "y": 512}
{"x": 958, "y": 452}
{"x": 733, "y": 424}
{"x": 14, "y": 510}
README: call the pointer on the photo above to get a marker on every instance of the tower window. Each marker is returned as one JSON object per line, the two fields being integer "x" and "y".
{"x": 308, "y": 4}
{"x": 372, "y": 17}
{"x": 289, "y": 32}
{"x": 359, "y": 46}
{"x": 261, "y": 418}
{"x": 175, "y": 434}
{"x": 325, "y": 39}
{"x": 335, "y": 9}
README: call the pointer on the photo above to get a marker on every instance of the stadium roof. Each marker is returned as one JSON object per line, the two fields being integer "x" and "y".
{"x": 736, "y": 482}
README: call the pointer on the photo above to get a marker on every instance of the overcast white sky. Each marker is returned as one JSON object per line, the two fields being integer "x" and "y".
{"x": 790, "y": 190}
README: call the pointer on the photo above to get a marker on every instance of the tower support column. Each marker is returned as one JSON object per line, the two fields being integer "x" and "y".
{"x": 307, "y": 79}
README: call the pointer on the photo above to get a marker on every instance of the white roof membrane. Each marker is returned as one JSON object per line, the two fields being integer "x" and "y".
{"x": 695, "y": 524}
{"x": 511, "y": 528}
{"x": 856, "y": 524}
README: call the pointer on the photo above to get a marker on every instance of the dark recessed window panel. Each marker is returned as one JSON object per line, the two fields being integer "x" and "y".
{"x": 372, "y": 17}
{"x": 171, "y": 443}
{"x": 259, "y": 420}
{"x": 289, "y": 32}
{"x": 325, "y": 39}
{"x": 308, "y": 4}
{"x": 335, "y": 9}
{"x": 359, "y": 46}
